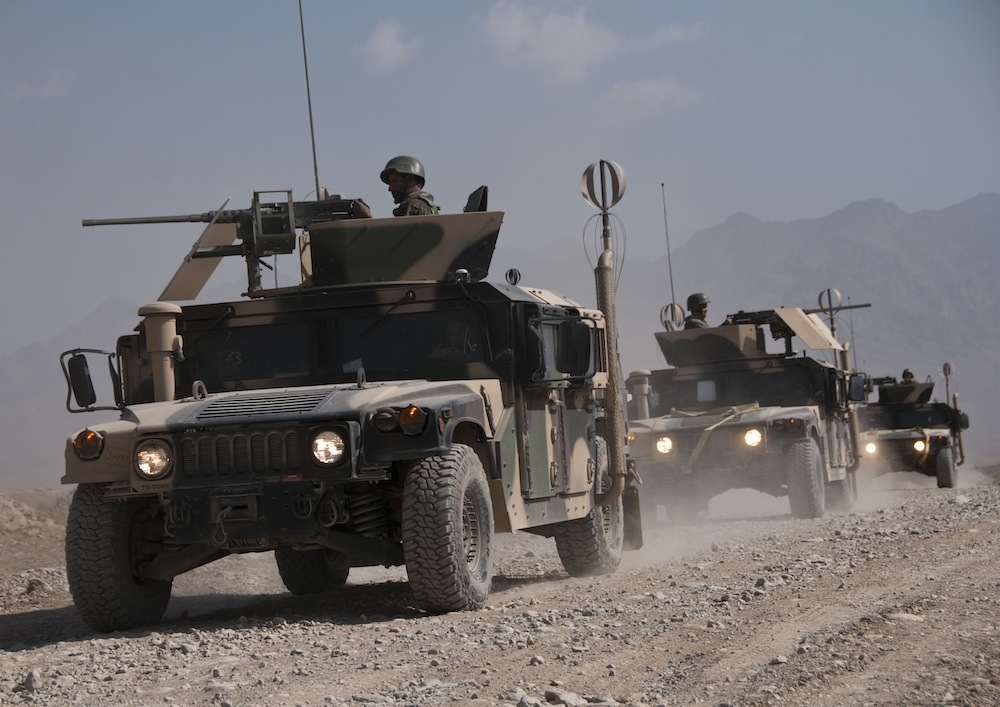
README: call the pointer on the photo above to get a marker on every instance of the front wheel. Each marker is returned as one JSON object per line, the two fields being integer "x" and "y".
{"x": 106, "y": 540}
{"x": 312, "y": 571}
{"x": 946, "y": 472}
{"x": 448, "y": 531}
{"x": 805, "y": 480}
{"x": 592, "y": 545}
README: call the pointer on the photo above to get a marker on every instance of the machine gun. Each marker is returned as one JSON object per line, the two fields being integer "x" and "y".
{"x": 266, "y": 228}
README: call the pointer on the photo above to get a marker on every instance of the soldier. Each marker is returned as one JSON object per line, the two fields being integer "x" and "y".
{"x": 908, "y": 376}
{"x": 405, "y": 177}
{"x": 698, "y": 306}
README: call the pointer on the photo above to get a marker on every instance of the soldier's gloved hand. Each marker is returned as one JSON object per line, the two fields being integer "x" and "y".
{"x": 360, "y": 209}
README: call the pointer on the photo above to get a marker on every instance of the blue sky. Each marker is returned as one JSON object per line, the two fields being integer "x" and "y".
{"x": 784, "y": 110}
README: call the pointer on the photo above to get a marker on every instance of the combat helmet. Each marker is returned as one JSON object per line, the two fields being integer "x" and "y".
{"x": 696, "y": 300}
{"x": 404, "y": 164}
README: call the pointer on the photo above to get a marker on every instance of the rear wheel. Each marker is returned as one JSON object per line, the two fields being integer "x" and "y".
{"x": 947, "y": 475}
{"x": 592, "y": 545}
{"x": 805, "y": 480}
{"x": 448, "y": 531}
{"x": 312, "y": 571}
{"x": 106, "y": 541}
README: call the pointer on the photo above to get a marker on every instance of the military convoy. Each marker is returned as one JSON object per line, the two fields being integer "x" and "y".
{"x": 730, "y": 415}
{"x": 392, "y": 408}
{"x": 906, "y": 431}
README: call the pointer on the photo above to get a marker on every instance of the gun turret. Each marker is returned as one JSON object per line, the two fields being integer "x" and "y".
{"x": 266, "y": 228}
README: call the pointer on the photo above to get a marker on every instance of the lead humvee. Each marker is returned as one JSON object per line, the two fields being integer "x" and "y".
{"x": 392, "y": 408}
{"x": 907, "y": 431}
{"x": 731, "y": 415}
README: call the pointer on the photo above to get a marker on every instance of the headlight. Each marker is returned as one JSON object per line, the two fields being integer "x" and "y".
{"x": 152, "y": 459}
{"x": 753, "y": 437}
{"x": 664, "y": 445}
{"x": 328, "y": 448}
{"x": 919, "y": 445}
{"x": 871, "y": 448}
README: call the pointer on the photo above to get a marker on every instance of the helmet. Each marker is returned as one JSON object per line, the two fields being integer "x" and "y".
{"x": 404, "y": 164}
{"x": 696, "y": 300}
{"x": 907, "y": 373}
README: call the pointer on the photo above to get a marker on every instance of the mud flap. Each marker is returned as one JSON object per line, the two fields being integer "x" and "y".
{"x": 633, "y": 518}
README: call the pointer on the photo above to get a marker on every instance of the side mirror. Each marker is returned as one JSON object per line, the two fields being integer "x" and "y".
{"x": 80, "y": 382}
{"x": 857, "y": 388}
{"x": 76, "y": 370}
{"x": 963, "y": 420}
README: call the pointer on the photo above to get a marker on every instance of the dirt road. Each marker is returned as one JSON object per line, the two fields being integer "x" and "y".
{"x": 895, "y": 603}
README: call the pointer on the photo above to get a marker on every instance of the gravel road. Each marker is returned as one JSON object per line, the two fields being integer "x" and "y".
{"x": 895, "y": 603}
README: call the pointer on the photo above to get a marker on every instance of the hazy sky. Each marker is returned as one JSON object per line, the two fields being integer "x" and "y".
{"x": 784, "y": 110}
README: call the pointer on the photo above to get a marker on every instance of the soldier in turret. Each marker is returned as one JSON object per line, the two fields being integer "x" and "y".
{"x": 698, "y": 306}
{"x": 405, "y": 177}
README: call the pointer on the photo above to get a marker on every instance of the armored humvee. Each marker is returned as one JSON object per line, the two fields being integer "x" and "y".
{"x": 730, "y": 415}
{"x": 907, "y": 431}
{"x": 392, "y": 408}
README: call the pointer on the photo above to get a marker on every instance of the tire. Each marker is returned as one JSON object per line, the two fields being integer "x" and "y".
{"x": 592, "y": 545}
{"x": 448, "y": 531}
{"x": 840, "y": 496}
{"x": 805, "y": 480}
{"x": 312, "y": 571}
{"x": 947, "y": 475}
{"x": 105, "y": 542}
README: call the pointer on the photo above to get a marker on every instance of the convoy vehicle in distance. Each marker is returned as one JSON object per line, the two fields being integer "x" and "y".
{"x": 731, "y": 415}
{"x": 392, "y": 408}
{"x": 906, "y": 431}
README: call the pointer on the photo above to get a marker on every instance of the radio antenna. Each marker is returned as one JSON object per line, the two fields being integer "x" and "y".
{"x": 312, "y": 134}
{"x": 670, "y": 267}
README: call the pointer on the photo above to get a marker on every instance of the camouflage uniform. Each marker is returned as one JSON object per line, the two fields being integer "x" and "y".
{"x": 417, "y": 204}
{"x": 693, "y": 321}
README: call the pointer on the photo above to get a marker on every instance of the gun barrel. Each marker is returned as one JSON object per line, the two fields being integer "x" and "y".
{"x": 224, "y": 217}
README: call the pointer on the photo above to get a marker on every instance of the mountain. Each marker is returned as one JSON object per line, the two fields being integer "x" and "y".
{"x": 929, "y": 276}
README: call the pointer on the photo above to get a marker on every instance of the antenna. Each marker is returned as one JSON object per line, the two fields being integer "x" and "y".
{"x": 670, "y": 267}
{"x": 312, "y": 134}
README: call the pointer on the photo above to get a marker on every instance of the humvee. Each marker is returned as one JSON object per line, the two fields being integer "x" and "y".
{"x": 730, "y": 415}
{"x": 907, "y": 431}
{"x": 393, "y": 407}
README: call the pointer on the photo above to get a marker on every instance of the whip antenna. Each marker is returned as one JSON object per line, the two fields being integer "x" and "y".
{"x": 670, "y": 267}
{"x": 312, "y": 134}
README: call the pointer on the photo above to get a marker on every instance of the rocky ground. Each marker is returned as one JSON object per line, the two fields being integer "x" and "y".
{"x": 895, "y": 603}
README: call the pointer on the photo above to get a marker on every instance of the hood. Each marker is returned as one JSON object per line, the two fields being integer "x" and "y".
{"x": 293, "y": 405}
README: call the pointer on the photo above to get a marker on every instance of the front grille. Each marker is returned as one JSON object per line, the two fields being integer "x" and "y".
{"x": 721, "y": 442}
{"x": 240, "y": 455}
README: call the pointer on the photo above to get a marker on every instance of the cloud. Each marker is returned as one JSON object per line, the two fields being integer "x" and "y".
{"x": 643, "y": 98}
{"x": 680, "y": 34}
{"x": 564, "y": 46}
{"x": 56, "y": 83}
{"x": 387, "y": 48}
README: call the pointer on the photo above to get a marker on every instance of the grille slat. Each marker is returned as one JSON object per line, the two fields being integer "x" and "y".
{"x": 204, "y": 456}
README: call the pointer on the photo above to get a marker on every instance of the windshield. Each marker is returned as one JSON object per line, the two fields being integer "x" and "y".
{"x": 425, "y": 344}
{"x": 785, "y": 387}
{"x": 876, "y": 418}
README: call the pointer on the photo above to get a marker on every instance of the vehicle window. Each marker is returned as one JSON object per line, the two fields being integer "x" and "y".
{"x": 414, "y": 340}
